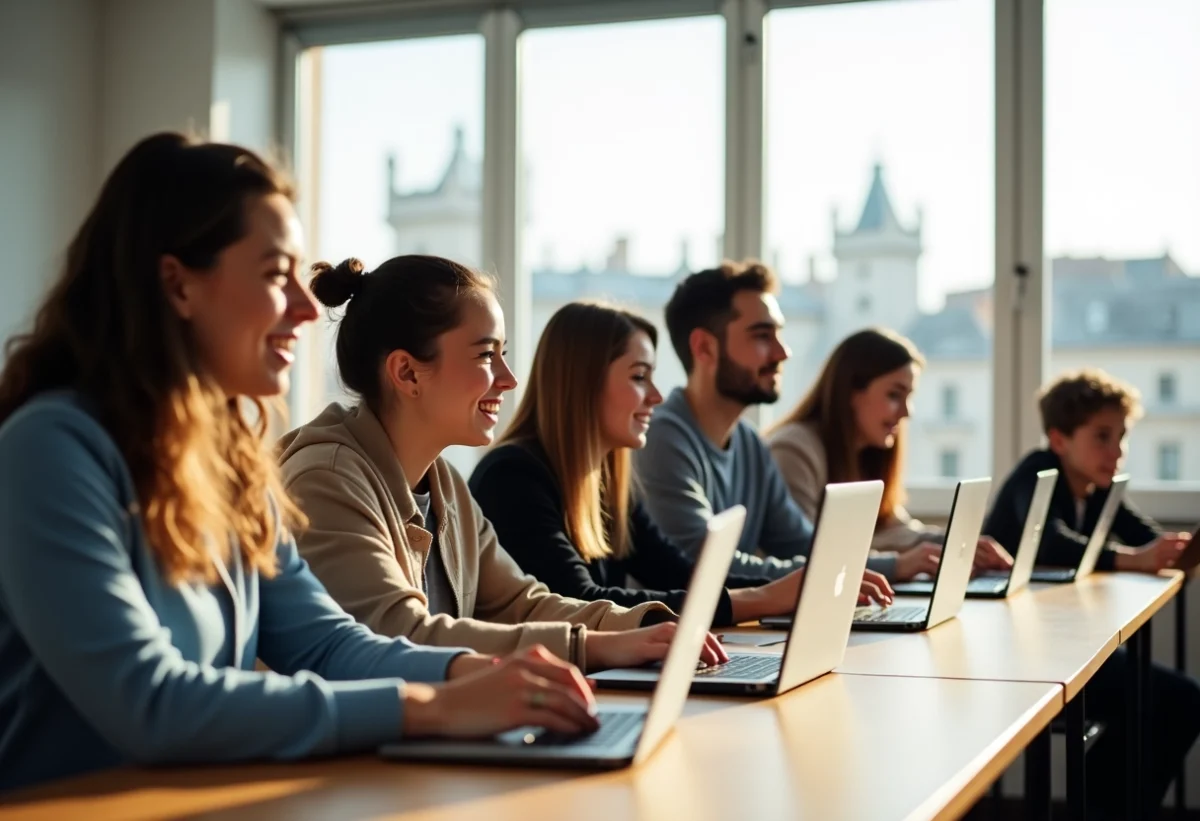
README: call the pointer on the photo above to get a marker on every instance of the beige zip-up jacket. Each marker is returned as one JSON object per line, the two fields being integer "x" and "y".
{"x": 367, "y": 543}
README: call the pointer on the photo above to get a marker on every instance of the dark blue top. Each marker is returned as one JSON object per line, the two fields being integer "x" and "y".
{"x": 102, "y": 662}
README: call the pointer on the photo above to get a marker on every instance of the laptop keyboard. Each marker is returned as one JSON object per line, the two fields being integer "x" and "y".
{"x": 902, "y": 614}
{"x": 613, "y": 727}
{"x": 743, "y": 665}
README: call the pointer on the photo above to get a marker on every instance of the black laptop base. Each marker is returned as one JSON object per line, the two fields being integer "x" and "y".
{"x": 888, "y": 626}
{"x": 1053, "y": 575}
{"x": 995, "y": 589}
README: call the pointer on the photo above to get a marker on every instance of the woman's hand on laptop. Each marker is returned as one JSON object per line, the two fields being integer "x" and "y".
{"x": 531, "y": 687}
{"x": 875, "y": 588}
{"x": 633, "y": 648}
{"x": 991, "y": 555}
{"x": 923, "y": 558}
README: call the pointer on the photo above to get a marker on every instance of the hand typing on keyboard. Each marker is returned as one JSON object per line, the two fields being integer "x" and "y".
{"x": 875, "y": 588}
{"x": 889, "y": 614}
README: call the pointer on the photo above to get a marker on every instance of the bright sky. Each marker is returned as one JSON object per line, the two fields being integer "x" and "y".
{"x": 623, "y": 133}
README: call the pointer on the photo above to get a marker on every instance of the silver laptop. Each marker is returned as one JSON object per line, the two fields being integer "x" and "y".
{"x": 820, "y": 622}
{"x": 628, "y": 734}
{"x": 999, "y": 584}
{"x": 1096, "y": 543}
{"x": 954, "y": 570}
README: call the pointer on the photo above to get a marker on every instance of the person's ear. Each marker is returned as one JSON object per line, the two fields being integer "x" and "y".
{"x": 177, "y": 283}
{"x": 1058, "y": 441}
{"x": 705, "y": 347}
{"x": 402, "y": 373}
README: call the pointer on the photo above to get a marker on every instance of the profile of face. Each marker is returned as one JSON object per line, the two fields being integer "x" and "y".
{"x": 459, "y": 394}
{"x": 1095, "y": 450}
{"x": 752, "y": 353}
{"x": 879, "y": 408}
{"x": 246, "y": 311}
{"x": 629, "y": 395}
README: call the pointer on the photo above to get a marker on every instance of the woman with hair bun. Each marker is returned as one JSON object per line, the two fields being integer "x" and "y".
{"x": 393, "y": 531}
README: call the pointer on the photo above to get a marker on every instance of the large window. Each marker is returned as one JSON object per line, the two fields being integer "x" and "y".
{"x": 396, "y": 151}
{"x": 870, "y": 130}
{"x": 879, "y": 195}
{"x": 622, "y": 133}
{"x": 1122, "y": 183}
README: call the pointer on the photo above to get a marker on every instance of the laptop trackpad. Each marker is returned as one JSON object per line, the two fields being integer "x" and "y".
{"x": 646, "y": 674}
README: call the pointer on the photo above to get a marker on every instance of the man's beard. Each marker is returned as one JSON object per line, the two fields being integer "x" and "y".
{"x": 738, "y": 383}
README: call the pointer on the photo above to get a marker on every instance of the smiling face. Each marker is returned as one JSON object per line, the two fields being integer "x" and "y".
{"x": 461, "y": 391}
{"x": 245, "y": 312}
{"x": 752, "y": 352}
{"x": 1093, "y": 452}
{"x": 879, "y": 408}
{"x": 629, "y": 395}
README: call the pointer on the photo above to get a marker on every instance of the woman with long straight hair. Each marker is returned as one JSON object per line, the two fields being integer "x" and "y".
{"x": 559, "y": 487}
{"x": 147, "y": 558}
{"x": 852, "y": 426}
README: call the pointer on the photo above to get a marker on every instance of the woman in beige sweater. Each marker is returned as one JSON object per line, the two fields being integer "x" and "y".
{"x": 851, "y": 427}
{"x": 393, "y": 532}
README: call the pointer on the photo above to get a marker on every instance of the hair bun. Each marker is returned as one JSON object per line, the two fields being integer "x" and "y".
{"x": 335, "y": 285}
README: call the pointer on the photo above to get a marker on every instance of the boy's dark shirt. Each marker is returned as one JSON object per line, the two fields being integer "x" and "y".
{"x": 1063, "y": 538}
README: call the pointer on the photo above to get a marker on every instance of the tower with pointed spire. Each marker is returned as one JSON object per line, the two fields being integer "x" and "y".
{"x": 876, "y": 281}
{"x": 443, "y": 220}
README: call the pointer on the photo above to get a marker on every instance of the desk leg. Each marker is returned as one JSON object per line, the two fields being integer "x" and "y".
{"x": 1181, "y": 666}
{"x": 1076, "y": 770}
{"x": 1146, "y": 716}
{"x": 1037, "y": 777}
{"x": 1135, "y": 706}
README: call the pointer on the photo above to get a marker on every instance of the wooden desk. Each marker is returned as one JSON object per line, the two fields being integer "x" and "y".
{"x": 825, "y": 751}
{"x": 1047, "y": 633}
{"x": 1132, "y": 599}
{"x": 1060, "y": 635}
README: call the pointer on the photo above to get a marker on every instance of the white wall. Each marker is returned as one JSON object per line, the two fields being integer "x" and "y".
{"x": 157, "y": 69}
{"x": 203, "y": 66}
{"x": 245, "y": 68}
{"x": 48, "y": 159}
{"x": 82, "y": 80}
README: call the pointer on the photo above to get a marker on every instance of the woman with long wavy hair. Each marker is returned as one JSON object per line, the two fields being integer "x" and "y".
{"x": 147, "y": 557}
